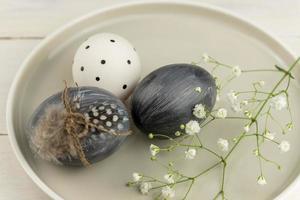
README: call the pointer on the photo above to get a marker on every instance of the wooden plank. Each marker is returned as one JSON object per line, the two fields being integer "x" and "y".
{"x": 27, "y": 18}
{"x": 12, "y": 53}
{"x": 14, "y": 183}
{"x": 31, "y": 18}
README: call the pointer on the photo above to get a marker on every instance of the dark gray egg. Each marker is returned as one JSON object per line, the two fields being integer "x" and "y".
{"x": 165, "y": 98}
{"x": 106, "y": 114}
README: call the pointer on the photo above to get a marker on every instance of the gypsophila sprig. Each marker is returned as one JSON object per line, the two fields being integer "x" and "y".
{"x": 199, "y": 111}
{"x": 254, "y": 108}
{"x": 206, "y": 58}
{"x": 247, "y": 128}
{"x": 279, "y": 102}
{"x": 232, "y": 96}
{"x": 192, "y": 127}
{"x": 136, "y": 177}
{"x": 221, "y": 113}
{"x": 284, "y": 146}
{"x": 190, "y": 154}
{"x": 269, "y": 135}
{"x": 145, "y": 187}
{"x": 154, "y": 150}
{"x": 261, "y": 180}
{"x": 289, "y": 126}
{"x": 169, "y": 178}
{"x": 236, "y": 70}
{"x": 198, "y": 89}
{"x": 168, "y": 192}
{"x": 223, "y": 144}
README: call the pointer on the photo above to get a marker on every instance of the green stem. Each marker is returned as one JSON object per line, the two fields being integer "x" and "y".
{"x": 169, "y": 184}
{"x": 260, "y": 108}
{"x": 221, "y": 64}
{"x": 245, "y": 118}
{"x": 223, "y": 177}
{"x": 260, "y": 70}
{"x": 258, "y": 92}
{"x": 212, "y": 152}
{"x": 248, "y": 135}
{"x": 198, "y": 138}
{"x": 207, "y": 170}
{"x": 263, "y": 105}
{"x": 151, "y": 178}
{"x": 229, "y": 117}
{"x": 189, "y": 189}
{"x": 206, "y": 123}
{"x": 270, "y": 161}
{"x": 258, "y": 148}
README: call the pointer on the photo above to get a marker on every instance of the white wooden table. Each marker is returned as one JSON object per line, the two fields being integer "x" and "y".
{"x": 24, "y": 23}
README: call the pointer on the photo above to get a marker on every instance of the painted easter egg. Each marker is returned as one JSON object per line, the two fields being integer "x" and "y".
{"x": 79, "y": 126}
{"x": 107, "y": 61}
{"x": 172, "y": 96}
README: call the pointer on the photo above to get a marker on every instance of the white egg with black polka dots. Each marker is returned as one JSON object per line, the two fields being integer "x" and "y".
{"x": 107, "y": 61}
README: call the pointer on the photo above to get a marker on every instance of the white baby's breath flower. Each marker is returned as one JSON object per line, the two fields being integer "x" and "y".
{"x": 261, "y": 83}
{"x": 232, "y": 97}
{"x": 154, "y": 150}
{"x": 279, "y": 102}
{"x": 199, "y": 111}
{"x": 218, "y": 97}
{"x": 247, "y": 128}
{"x": 190, "y": 154}
{"x": 255, "y": 152}
{"x": 248, "y": 114}
{"x": 150, "y": 136}
{"x": 218, "y": 82}
{"x": 136, "y": 177}
{"x": 145, "y": 187}
{"x": 261, "y": 180}
{"x": 222, "y": 113}
{"x": 198, "y": 89}
{"x": 169, "y": 178}
{"x": 192, "y": 127}
{"x": 236, "y": 70}
{"x": 168, "y": 192}
{"x": 289, "y": 126}
{"x": 206, "y": 58}
{"x": 223, "y": 144}
{"x": 236, "y": 107}
{"x": 235, "y": 139}
{"x": 177, "y": 133}
{"x": 269, "y": 135}
{"x": 244, "y": 103}
{"x": 284, "y": 146}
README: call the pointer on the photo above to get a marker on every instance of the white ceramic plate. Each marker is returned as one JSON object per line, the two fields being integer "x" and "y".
{"x": 163, "y": 32}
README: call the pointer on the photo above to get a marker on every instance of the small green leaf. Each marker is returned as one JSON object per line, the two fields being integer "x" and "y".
{"x": 284, "y": 71}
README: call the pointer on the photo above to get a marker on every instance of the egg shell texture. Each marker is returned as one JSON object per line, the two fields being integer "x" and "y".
{"x": 107, "y": 61}
{"x": 166, "y": 97}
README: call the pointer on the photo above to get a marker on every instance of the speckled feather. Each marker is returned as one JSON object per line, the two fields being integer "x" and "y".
{"x": 57, "y": 146}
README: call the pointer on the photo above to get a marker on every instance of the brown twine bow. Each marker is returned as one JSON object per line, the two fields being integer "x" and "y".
{"x": 77, "y": 126}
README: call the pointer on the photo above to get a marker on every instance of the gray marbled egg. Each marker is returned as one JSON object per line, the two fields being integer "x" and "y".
{"x": 47, "y": 134}
{"x": 165, "y": 98}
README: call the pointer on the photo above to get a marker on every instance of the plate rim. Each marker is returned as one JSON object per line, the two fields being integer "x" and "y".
{"x": 16, "y": 82}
